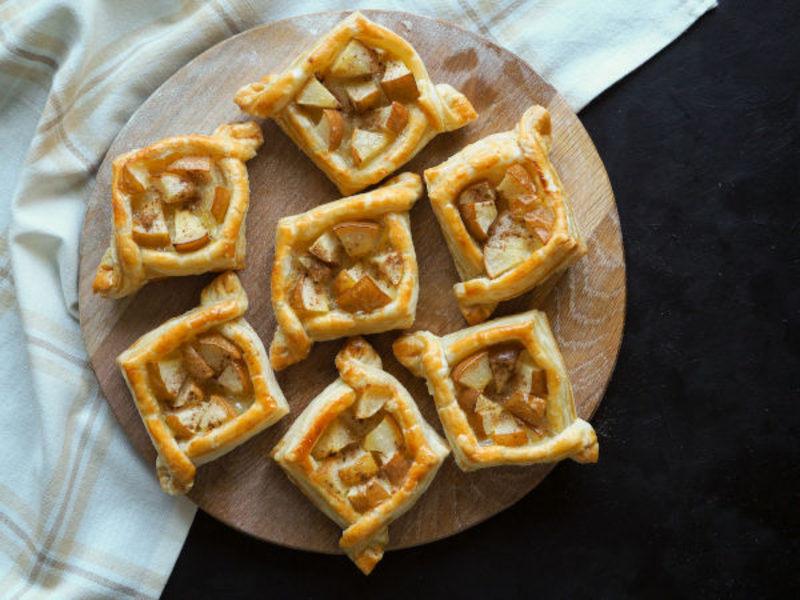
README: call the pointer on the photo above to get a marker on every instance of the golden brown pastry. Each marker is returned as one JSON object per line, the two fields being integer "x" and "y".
{"x": 359, "y": 103}
{"x": 505, "y": 215}
{"x": 345, "y": 268}
{"x": 179, "y": 207}
{"x": 362, "y": 452}
{"x": 202, "y": 383}
{"x": 502, "y": 393}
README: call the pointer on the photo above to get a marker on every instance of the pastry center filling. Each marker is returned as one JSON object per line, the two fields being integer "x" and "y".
{"x": 352, "y": 267}
{"x": 178, "y": 208}
{"x": 361, "y": 455}
{"x": 359, "y": 105}
{"x": 504, "y": 395}
{"x": 510, "y": 220}
{"x": 201, "y": 385}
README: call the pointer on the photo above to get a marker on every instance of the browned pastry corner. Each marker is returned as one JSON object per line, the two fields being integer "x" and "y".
{"x": 202, "y": 383}
{"x": 505, "y": 215}
{"x": 359, "y": 103}
{"x": 502, "y": 393}
{"x": 362, "y": 452}
{"x": 179, "y": 208}
{"x": 345, "y": 268}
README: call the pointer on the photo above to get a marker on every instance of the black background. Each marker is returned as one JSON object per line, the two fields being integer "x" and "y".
{"x": 696, "y": 493}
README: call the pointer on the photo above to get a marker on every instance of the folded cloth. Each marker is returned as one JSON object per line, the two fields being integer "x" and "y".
{"x": 81, "y": 515}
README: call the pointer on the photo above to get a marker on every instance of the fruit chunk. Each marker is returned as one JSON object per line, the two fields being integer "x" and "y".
{"x": 516, "y": 182}
{"x": 190, "y": 393}
{"x": 392, "y": 118}
{"x": 317, "y": 270}
{"x": 365, "y": 145}
{"x": 335, "y": 438}
{"x": 508, "y": 432}
{"x": 308, "y": 296}
{"x": 363, "y": 95}
{"x": 474, "y": 371}
{"x": 398, "y": 82}
{"x": 327, "y": 476}
{"x": 478, "y": 218}
{"x": 503, "y": 360}
{"x": 149, "y": 226}
{"x": 217, "y": 350}
{"x": 356, "y": 60}
{"x": 364, "y": 296}
{"x": 331, "y": 128}
{"x": 197, "y": 167}
{"x": 528, "y": 378}
{"x": 235, "y": 378}
{"x": 174, "y": 188}
{"x": 390, "y": 266}
{"x": 370, "y": 401}
{"x": 396, "y": 468}
{"x": 529, "y": 408}
{"x": 539, "y": 221}
{"x": 167, "y": 376}
{"x": 488, "y": 412}
{"x": 222, "y": 199}
{"x": 360, "y": 469}
{"x": 358, "y": 237}
{"x": 368, "y": 495}
{"x": 507, "y": 247}
{"x": 135, "y": 177}
{"x": 481, "y": 191}
{"x": 327, "y": 248}
{"x": 316, "y": 95}
{"x": 190, "y": 233}
{"x": 195, "y": 364}
{"x": 346, "y": 279}
{"x": 200, "y": 417}
{"x": 467, "y": 399}
{"x": 385, "y": 439}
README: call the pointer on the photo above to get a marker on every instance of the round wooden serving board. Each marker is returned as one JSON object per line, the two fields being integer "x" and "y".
{"x": 246, "y": 488}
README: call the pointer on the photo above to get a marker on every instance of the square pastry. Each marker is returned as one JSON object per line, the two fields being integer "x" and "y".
{"x": 179, "y": 207}
{"x": 359, "y": 103}
{"x": 202, "y": 383}
{"x": 345, "y": 268}
{"x": 502, "y": 392}
{"x": 505, "y": 215}
{"x": 362, "y": 452}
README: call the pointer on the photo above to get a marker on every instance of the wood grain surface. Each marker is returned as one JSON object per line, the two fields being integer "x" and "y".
{"x": 245, "y": 488}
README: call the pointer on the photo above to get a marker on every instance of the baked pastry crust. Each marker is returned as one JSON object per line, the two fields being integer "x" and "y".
{"x": 437, "y": 109}
{"x": 434, "y": 358}
{"x": 297, "y": 329}
{"x": 128, "y": 264}
{"x": 365, "y": 532}
{"x": 222, "y": 306}
{"x": 527, "y": 145}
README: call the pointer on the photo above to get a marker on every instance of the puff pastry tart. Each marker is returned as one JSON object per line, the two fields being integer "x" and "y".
{"x": 362, "y": 452}
{"x": 179, "y": 207}
{"x": 202, "y": 383}
{"x": 359, "y": 103}
{"x": 502, "y": 393}
{"x": 505, "y": 215}
{"x": 345, "y": 268}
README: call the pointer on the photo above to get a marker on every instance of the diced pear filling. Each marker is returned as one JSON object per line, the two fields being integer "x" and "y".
{"x": 363, "y": 97}
{"x": 179, "y": 207}
{"x": 365, "y": 145}
{"x": 510, "y": 220}
{"x": 352, "y": 267}
{"x": 503, "y": 393}
{"x": 202, "y": 385}
{"x": 317, "y": 95}
{"x": 361, "y": 454}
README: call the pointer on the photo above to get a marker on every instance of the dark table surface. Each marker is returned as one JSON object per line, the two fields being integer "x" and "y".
{"x": 697, "y": 492}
